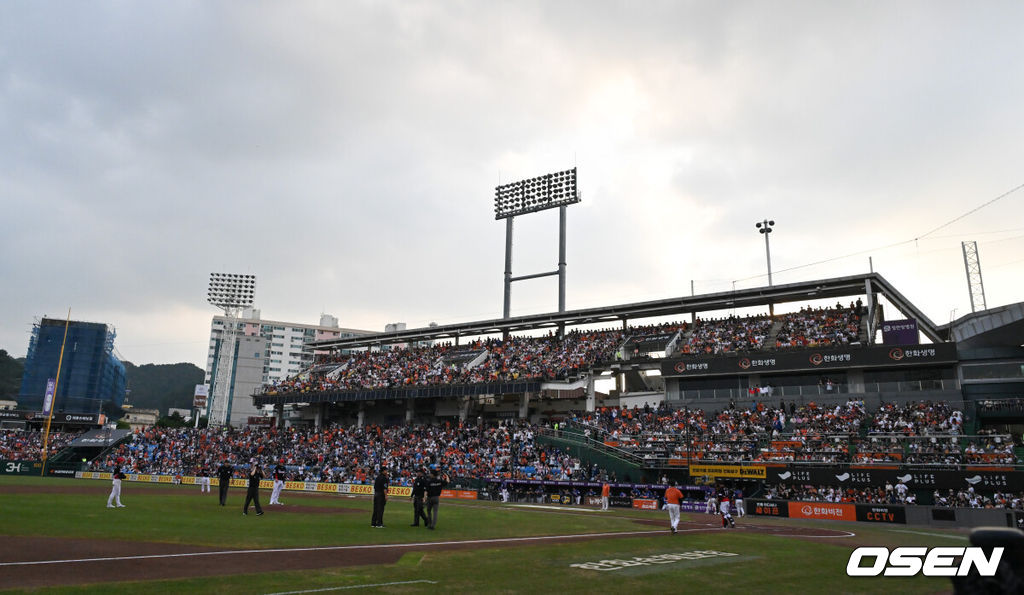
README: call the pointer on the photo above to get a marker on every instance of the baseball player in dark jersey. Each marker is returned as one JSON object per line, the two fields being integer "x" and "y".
{"x": 380, "y": 498}
{"x": 224, "y": 473}
{"x": 435, "y": 485}
{"x": 253, "y": 493}
{"x": 419, "y": 490}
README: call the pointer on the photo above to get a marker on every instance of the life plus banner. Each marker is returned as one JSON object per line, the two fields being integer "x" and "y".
{"x": 916, "y": 477}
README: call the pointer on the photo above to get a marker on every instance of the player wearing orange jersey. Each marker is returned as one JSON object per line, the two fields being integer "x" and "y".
{"x": 672, "y": 499}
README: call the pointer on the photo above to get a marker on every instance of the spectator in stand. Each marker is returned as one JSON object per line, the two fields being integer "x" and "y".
{"x": 27, "y": 445}
{"x": 917, "y": 419}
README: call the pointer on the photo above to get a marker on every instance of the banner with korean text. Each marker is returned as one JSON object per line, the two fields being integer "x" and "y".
{"x": 829, "y": 511}
{"x": 729, "y": 471}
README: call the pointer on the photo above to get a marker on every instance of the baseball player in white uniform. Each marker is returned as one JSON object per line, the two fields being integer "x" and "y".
{"x": 712, "y": 507}
{"x": 115, "y": 490}
{"x": 204, "y": 480}
{"x": 726, "y": 515}
{"x": 279, "y": 475}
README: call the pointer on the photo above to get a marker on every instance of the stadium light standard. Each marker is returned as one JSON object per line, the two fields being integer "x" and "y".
{"x": 554, "y": 190}
{"x": 765, "y": 228}
{"x": 230, "y": 292}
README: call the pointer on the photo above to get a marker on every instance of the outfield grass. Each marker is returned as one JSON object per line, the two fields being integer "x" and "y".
{"x": 765, "y": 563}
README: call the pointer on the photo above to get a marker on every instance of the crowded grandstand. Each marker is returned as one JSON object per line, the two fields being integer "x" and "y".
{"x": 805, "y": 404}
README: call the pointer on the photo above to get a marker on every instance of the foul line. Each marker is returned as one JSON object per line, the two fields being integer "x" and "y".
{"x": 946, "y": 535}
{"x": 334, "y": 548}
{"x": 353, "y": 587}
{"x": 543, "y": 507}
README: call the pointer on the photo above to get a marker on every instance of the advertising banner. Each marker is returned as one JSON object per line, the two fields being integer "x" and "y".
{"x": 200, "y": 395}
{"x": 459, "y": 494}
{"x": 51, "y": 385}
{"x": 882, "y": 513}
{"x": 620, "y": 502}
{"x": 900, "y": 332}
{"x": 887, "y": 356}
{"x": 767, "y": 508}
{"x": 914, "y": 477}
{"x": 828, "y": 511}
{"x": 20, "y": 467}
{"x": 645, "y": 504}
{"x": 729, "y": 471}
{"x": 784, "y": 444}
{"x": 102, "y": 438}
{"x": 560, "y": 499}
{"x": 76, "y": 418}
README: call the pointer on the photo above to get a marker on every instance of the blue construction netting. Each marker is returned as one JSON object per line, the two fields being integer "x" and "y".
{"x": 90, "y": 373}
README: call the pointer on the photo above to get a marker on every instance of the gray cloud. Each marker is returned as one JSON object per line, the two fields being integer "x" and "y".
{"x": 347, "y": 154}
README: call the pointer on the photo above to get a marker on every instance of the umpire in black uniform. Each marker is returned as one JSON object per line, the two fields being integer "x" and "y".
{"x": 380, "y": 498}
{"x": 253, "y": 493}
{"x": 419, "y": 490}
{"x": 435, "y": 484}
{"x": 224, "y": 473}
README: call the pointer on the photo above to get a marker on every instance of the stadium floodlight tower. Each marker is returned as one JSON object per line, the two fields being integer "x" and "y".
{"x": 550, "y": 191}
{"x": 765, "y": 228}
{"x": 230, "y": 292}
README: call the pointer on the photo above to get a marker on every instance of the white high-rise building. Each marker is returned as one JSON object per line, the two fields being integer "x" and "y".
{"x": 266, "y": 351}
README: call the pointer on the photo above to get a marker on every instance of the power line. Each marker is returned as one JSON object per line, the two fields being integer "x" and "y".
{"x": 948, "y": 223}
{"x": 974, "y": 210}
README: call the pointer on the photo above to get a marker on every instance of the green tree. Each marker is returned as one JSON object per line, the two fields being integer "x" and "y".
{"x": 10, "y": 376}
{"x": 162, "y": 386}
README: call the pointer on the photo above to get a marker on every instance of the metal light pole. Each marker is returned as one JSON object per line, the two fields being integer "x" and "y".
{"x": 550, "y": 191}
{"x": 765, "y": 228}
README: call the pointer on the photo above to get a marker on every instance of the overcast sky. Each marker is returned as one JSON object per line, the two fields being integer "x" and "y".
{"x": 346, "y": 154}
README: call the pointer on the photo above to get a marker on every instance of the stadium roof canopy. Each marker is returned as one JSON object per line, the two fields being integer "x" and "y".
{"x": 996, "y": 327}
{"x": 839, "y": 287}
